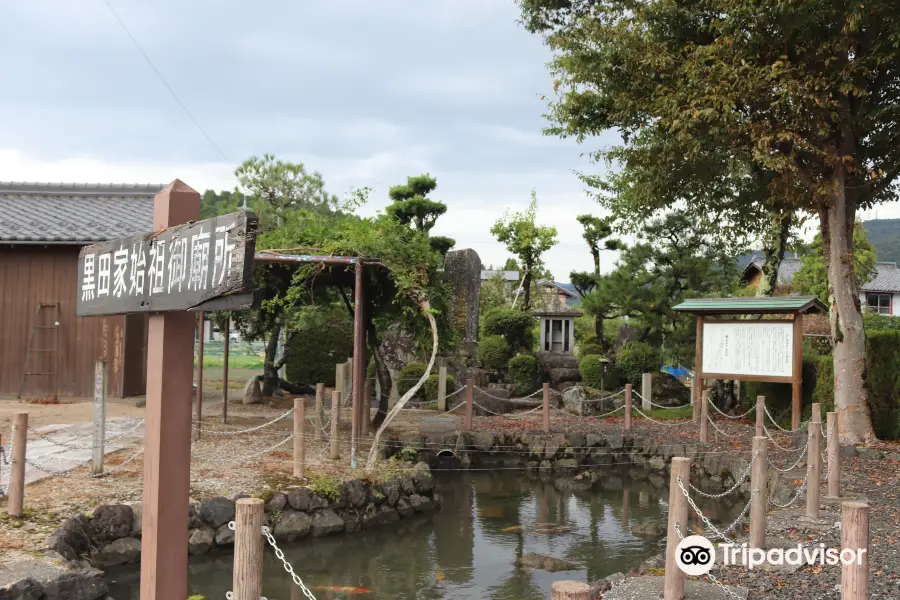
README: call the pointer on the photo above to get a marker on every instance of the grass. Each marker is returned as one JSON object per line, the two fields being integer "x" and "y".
{"x": 671, "y": 414}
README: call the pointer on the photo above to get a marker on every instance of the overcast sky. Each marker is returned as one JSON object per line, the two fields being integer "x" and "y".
{"x": 364, "y": 92}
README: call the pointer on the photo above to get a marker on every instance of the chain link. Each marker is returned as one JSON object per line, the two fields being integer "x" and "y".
{"x": 719, "y": 431}
{"x": 92, "y": 447}
{"x": 508, "y": 415}
{"x": 734, "y": 417}
{"x": 10, "y": 460}
{"x": 722, "y": 534}
{"x": 532, "y": 395}
{"x": 287, "y": 566}
{"x": 710, "y": 576}
{"x": 251, "y": 429}
{"x": 793, "y": 466}
{"x": 796, "y": 496}
{"x": 734, "y": 487}
{"x": 779, "y": 446}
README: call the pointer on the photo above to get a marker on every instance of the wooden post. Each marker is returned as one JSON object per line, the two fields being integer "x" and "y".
{"x": 646, "y": 391}
{"x": 470, "y": 399}
{"x": 834, "y": 455}
{"x": 366, "y": 409}
{"x": 570, "y": 590}
{"x": 814, "y": 465}
{"x": 797, "y": 376}
{"x": 678, "y": 513}
{"x": 704, "y": 417}
{"x": 299, "y": 437}
{"x": 442, "y": 389}
{"x": 358, "y": 362}
{"x": 627, "y": 407}
{"x": 99, "y": 418}
{"x": 248, "y": 549}
{"x": 339, "y": 379}
{"x": 760, "y": 416}
{"x": 320, "y": 412}
{"x": 16, "y": 500}
{"x": 759, "y": 494}
{"x": 227, "y": 355}
{"x": 546, "y": 408}
{"x": 697, "y": 384}
{"x": 347, "y": 398}
{"x": 199, "y": 398}
{"x": 335, "y": 424}
{"x": 855, "y": 536}
{"x": 167, "y": 441}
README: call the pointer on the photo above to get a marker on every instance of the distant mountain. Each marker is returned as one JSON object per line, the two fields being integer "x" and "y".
{"x": 884, "y": 234}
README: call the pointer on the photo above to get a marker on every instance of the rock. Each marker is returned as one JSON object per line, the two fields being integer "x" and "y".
{"x": 869, "y": 453}
{"x": 654, "y": 562}
{"x": 657, "y": 463}
{"x": 574, "y": 400}
{"x": 201, "y": 541}
{"x": 23, "y": 589}
{"x": 292, "y": 525}
{"x": 615, "y": 442}
{"x": 111, "y": 522}
{"x": 86, "y": 584}
{"x": 50, "y": 581}
{"x": 421, "y": 504}
{"x": 71, "y": 539}
{"x": 120, "y": 552}
{"x": 356, "y": 493}
{"x": 317, "y": 501}
{"x": 217, "y": 511}
{"x": 649, "y": 531}
{"x": 277, "y": 503}
{"x": 484, "y": 441}
{"x": 299, "y": 498}
{"x": 391, "y": 492}
{"x": 848, "y": 451}
{"x": 137, "y": 519}
{"x": 405, "y": 508}
{"x": 326, "y": 523}
{"x": 224, "y": 536}
{"x": 407, "y": 486}
{"x": 666, "y": 390}
{"x": 600, "y": 586}
{"x": 547, "y": 563}
{"x": 252, "y": 391}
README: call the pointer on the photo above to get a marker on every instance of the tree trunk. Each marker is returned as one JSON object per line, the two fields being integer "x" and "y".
{"x": 598, "y": 331}
{"x": 270, "y": 370}
{"x": 381, "y": 373}
{"x": 850, "y": 396}
{"x": 526, "y": 285}
{"x": 773, "y": 249}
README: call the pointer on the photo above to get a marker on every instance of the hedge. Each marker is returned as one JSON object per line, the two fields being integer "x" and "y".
{"x": 431, "y": 386}
{"x": 591, "y": 373}
{"x": 516, "y": 327}
{"x": 493, "y": 352}
{"x": 523, "y": 372}
{"x": 321, "y": 341}
{"x": 636, "y": 358}
{"x": 882, "y": 383}
{"x": 408, "y": 376}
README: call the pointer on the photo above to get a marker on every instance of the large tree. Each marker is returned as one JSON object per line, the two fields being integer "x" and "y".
{"x": 806, "y": 90}
{"x": 598, "y": 232}
{"x": 526, "y": 240}
{"x": 811, "y": 279}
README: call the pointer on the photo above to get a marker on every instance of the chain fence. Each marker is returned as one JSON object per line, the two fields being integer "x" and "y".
{"x": 732, "y": 489}
{"x": 287, "y": 566}
{"x": 710, "y": 527}
{"x": 8, "y": 459}
{"x": 710, "y": 576}
{"x": 106, "y": 441}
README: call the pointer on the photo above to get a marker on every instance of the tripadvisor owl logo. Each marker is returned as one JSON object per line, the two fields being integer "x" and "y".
{"x": 695, "y": 555}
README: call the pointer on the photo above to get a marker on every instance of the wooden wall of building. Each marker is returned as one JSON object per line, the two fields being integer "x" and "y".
{"x": 30, "y": 275}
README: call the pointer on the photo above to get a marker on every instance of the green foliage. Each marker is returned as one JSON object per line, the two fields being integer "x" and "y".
{"x": 883, "y": 382}
{"x": 409, "y": 376}
{"x": 884, "y": 235}
{"x": 527, "y": 240}
{"x": 213, "y": 204}
{"x": 591, "y": 371}
{"x": 877, "y": 322}
{"x": 812, "y": 280}
{"x": 323, "y": 337}
{"x": 431, "y": 386}
{"x": 590, "y": 347}
{"x": 408, "y": 454}
{"x": 516, "y": 327}
{"x": 266, "y": 495}
{"x": 523, "y": 372}
{"x": 493, "y": 352}
{"x": 326, "y": 486}
{"x": 635, "y": 358}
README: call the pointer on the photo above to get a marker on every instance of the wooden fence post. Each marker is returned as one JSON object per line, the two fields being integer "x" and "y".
{"x": 339, "y": 379}
{"x": 570, "y": 590}
{"x": 646, "y": 391}
{"x": 760, "y": 416}
{"x": 199, "y": 398}
{"x": 226, "y": 356}
{"x": 834, "y": 455}
{"x": 759, "y": 494}
{"x": 99, "y": 449}
{"x": 335, "y": 424}
{"x": 442, "y": 389}
{"x": 348, "y": 382}
{"x": 366, "y": 409}
{"x": 546, "y": 408}
{"x": 814, "y": 464}
{"x": 627, "y": 407}
{"x": 16, "y": 501}
{"x": 248, "y": 549}
{"x": 299, "y": 438}
{"x": 470, "y": 399}
{"x": 320, "y": 412}
{"x": 696, "y": 394}
{"x": 678, "y": 513}
{"x": 855, "y": 536}
{"x": 704, "y": 417}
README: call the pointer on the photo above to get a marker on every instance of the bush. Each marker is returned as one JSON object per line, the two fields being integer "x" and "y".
{"x": 591, "y": 347}
{"x": 591, "y": 372}
{"x": 516, "y": 327}
{"x": 408, "y": 377}
{"x": 324, "y": 338}
{"x": 636, "y": 358}
{"x": 883, "y": 382}
{"x": 493, "y": 352}
{"x": 523, "y": 372}
{"x": 431, "y": 386}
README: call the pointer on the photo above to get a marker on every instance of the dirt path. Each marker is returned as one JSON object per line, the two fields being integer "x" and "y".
{"x": 70, "y": 411}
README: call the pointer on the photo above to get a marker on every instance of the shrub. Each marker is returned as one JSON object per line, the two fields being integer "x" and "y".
{"x": 516, "y": 327}
{"x": 431, "y": 386}
{"x": 324, "y": 338}
{"x": 408, "y": 376}
{"x": 636, "y": 358}
{"x": 591, "y": 372}
{"x": 883, "y": 381}
{"x": 523, "y": 372}
{"x": 589, "y": 348}
{"x": 493, "y": 352}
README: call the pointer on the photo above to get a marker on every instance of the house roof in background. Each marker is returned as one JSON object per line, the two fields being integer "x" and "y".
{"x": 753, "y": 305}
{"x": 507, "y": 275}
{"x": 73, "y": 213}
{"x": 573, "y": 298}
{"x": 887, "y": 278}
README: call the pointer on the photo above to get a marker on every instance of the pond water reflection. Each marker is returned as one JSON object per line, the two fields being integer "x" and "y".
{"x": 468, "y": 549}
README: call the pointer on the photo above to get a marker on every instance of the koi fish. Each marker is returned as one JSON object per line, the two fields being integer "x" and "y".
{"x": 439, "y": 576}
{"x": 513, "y": 529}
{"x": 342, "y": 588}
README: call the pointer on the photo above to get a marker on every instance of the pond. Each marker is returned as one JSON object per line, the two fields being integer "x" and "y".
{"x": 468, "y": 549}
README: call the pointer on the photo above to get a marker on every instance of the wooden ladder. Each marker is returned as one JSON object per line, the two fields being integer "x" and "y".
{"x": 38, "y": 325}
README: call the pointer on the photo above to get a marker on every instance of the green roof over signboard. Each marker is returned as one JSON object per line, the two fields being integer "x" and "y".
{"x": 760, "y": 305}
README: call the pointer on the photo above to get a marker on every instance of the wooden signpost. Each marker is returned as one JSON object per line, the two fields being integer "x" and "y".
{"x": 184, "y": 266}
{"x": 751, "y": 349}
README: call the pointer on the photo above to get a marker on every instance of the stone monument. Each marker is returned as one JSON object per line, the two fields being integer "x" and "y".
{"x": 462, "y": 269}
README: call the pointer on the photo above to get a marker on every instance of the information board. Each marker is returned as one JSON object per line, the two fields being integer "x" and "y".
{"x": 754, "y": 348}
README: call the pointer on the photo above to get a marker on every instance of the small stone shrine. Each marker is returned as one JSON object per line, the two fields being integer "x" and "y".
{"x": 556, "y": 356}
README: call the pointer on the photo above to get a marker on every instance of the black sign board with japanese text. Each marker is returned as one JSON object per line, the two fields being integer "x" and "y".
{"x": 203, "y": 265}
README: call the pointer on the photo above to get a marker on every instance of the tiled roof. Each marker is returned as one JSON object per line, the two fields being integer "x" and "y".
{"x": 750, "y": 305}
{"x": 56, "y": 213}
{"x": 887, "y": 279}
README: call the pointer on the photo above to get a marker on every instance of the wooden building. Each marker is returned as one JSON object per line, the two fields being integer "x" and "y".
{"x": 45, "y": 349}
